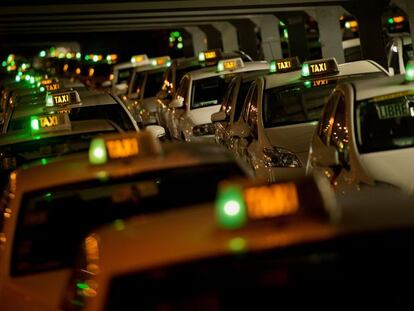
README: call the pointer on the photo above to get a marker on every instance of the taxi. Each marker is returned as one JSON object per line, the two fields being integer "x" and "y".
{"x": 50, "y": 207}
{"x": 280, "y": 115}
{"x": 172, "y": 76}
{"x": 145, "y": 83}
{"x": 231, "y": 107}
{"x": 122, "y": 73}
{"x": 200, "y": 93}
{"x": 287, "y": 245}
{"x": 365, "y": 135}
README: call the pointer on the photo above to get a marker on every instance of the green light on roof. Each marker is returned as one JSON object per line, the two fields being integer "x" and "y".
{"x": 409, "y": 72}
{"x": 168, "y": 63}
{"x": 201, "y": 57}
{"x": 17, "y": 78}
{"x": 34, "y": 124}
{"x": 108, "y": 58}
{"x": 305, "y": 70}
{"x": 43, "y": 161}
{"x": 4, "y": 63}
{"x": 86, "y": 57}
{"x": 49, "y": 101}
{"x": 78, "y": 55}
{"x": 42, "y": 89}
{"x": 390, "y": 20}
{"x": 82, "y": 285}
{"x": 273, "y": 67}
{"x": 230, "y": 208}
{"x": 97, "y": 152}
{"x": 95, "y": 58}
{"x": 285, "y": 33}
{"x": 220, "y": 67}
{"x": 308, "y": 84}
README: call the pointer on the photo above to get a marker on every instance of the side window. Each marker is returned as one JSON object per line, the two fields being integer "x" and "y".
{"x": 182, "y": 90}
{"x": 393, "y": 56}
{"x": 339, "y": 136}
{"x": 229, "y": 98}
{"x": 168, "y": 80}
{"x": 247, "y": 102}
{"x": 326, "y": 121}
{"x": 252, "y": 117}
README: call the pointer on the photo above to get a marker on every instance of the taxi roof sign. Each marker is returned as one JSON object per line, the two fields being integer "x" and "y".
{"x": 285, "y": 65}
{"x": 230, "y": 64}
{"x": 210, "y": 57}
{"x": 139, "y": 58}
{"x": 409, "y": 72}
{"x": 320, "y": 67}
{"x": 160, "y": 61}
{"x": 48, "y": 81}
{"x": 50, "y": 123}
{"x": 123, "y": 146}
{"x": 238, "y": 203}
{"x": 62, "y": 99}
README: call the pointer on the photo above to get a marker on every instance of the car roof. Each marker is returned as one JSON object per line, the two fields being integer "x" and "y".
{"x": 76, "y": 168}
{"x": 77, "y": 127}
{"x": 365, "y": 89}
{"x": 346, "y": 69}
{"x": 197, "y": 235}
{"x": 211, "y": 71}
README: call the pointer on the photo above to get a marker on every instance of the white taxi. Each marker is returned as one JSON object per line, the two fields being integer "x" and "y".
{"x": 227, "y": 119}
{"x": 250, "y": 251}
{"x": 366, "y": 134}
{"x": 50, "y": 207}
{"x": 122, "y": 73}
{"x": 199, "y": 96}
{"x": 280, "y": 115}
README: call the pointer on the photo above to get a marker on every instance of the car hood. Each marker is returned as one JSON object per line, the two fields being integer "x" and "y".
{"x": 203, "y": 115}
{"x": 392, "y": 167}
{"x": 295, "y": 138}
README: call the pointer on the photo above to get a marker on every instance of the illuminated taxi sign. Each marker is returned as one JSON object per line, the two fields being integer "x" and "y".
{"x": 50, "y": 123}
{"x": 45, "y": 82}
{"x": 139, "y": 58}
{"x": 320, "y": 67}
{"x": 241, "y": 202}
{"x": 285, "y": 65}
{"x": 123, "y": 146}
{"x": 53, "y": 87}
{"x": 160, "y": 61}
{"x": 210, "y": 57}
{"x": 62, "y": 99}
{"x": 230, "y": 64}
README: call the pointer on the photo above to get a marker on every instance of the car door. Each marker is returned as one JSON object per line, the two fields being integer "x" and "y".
{"x": 222, "y": 127}
{"x": 177, "y": 114}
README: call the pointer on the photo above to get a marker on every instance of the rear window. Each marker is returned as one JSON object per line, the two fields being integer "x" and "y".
{"x": 302, "y": 102}
{"x": 361, "y": 272}
{"x": 124, "y": 75}
{"x": 153, "y": 84}
{"x": 52, "y": 223}
{"x": 115, "y": 113}
{"x": 210, "y": 91}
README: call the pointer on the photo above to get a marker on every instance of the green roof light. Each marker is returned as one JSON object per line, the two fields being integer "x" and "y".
{"x": 34, "y": 124}
{"x": 32, "y": 80}
{"x": 49, "y": 101}
{"x": 42, "y": 89}
{"x": 390, "y": 20}
{"x": 97, "y": 152}
{"x": 230, "y": 208}
{"x": 273, "y": 67}
{"x": 17, "y": 78}
{"x": 95, "y": 58}
{"x": 86, "y": 57}
{"x": 4, "y": 63}
{"x": 409, "y": 72}
{"x": 305, "y": 70}
{"x": 201, "y": 57}
{"x": 220, "y": 67}
{"x": 78, "y": 55}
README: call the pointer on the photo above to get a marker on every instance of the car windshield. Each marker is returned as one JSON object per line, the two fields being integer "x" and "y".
{"x": 114, "y": 113}
{"x": 153, "y": 84}
{"x": 52, "y": 223}
{"x": 302, "y": 102}
{"x": 210, "y": 91}
{"x": 385, "y": 123}
{"x": 124, "y": 75}
{"x": 342, "y": 274}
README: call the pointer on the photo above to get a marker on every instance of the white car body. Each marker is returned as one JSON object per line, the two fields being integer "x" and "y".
{"x": 121, "y": 87}
{"x": 288, "y": 142}
{"x": 345, "y": 164}
{"x": 182, "y": 120}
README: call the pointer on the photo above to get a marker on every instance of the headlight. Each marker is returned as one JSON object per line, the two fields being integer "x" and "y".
{"x": 203, "y": 129}
{"x": 279, "y": 157}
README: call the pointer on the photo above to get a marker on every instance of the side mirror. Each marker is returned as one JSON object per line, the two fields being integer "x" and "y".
{"x": 177, "y": 103}
{"x": 240, "y": 130}
{"x": 219, "y": 116}
{"x": 391, "y": 71}
{"x": 157, "y": 131}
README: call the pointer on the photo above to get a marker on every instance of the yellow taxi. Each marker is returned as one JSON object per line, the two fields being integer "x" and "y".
{"x": 49, "y": 207}
{"x": 287, "y": 245}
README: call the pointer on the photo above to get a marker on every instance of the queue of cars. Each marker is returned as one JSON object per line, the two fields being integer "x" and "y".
{"x": 262, "y": 191}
